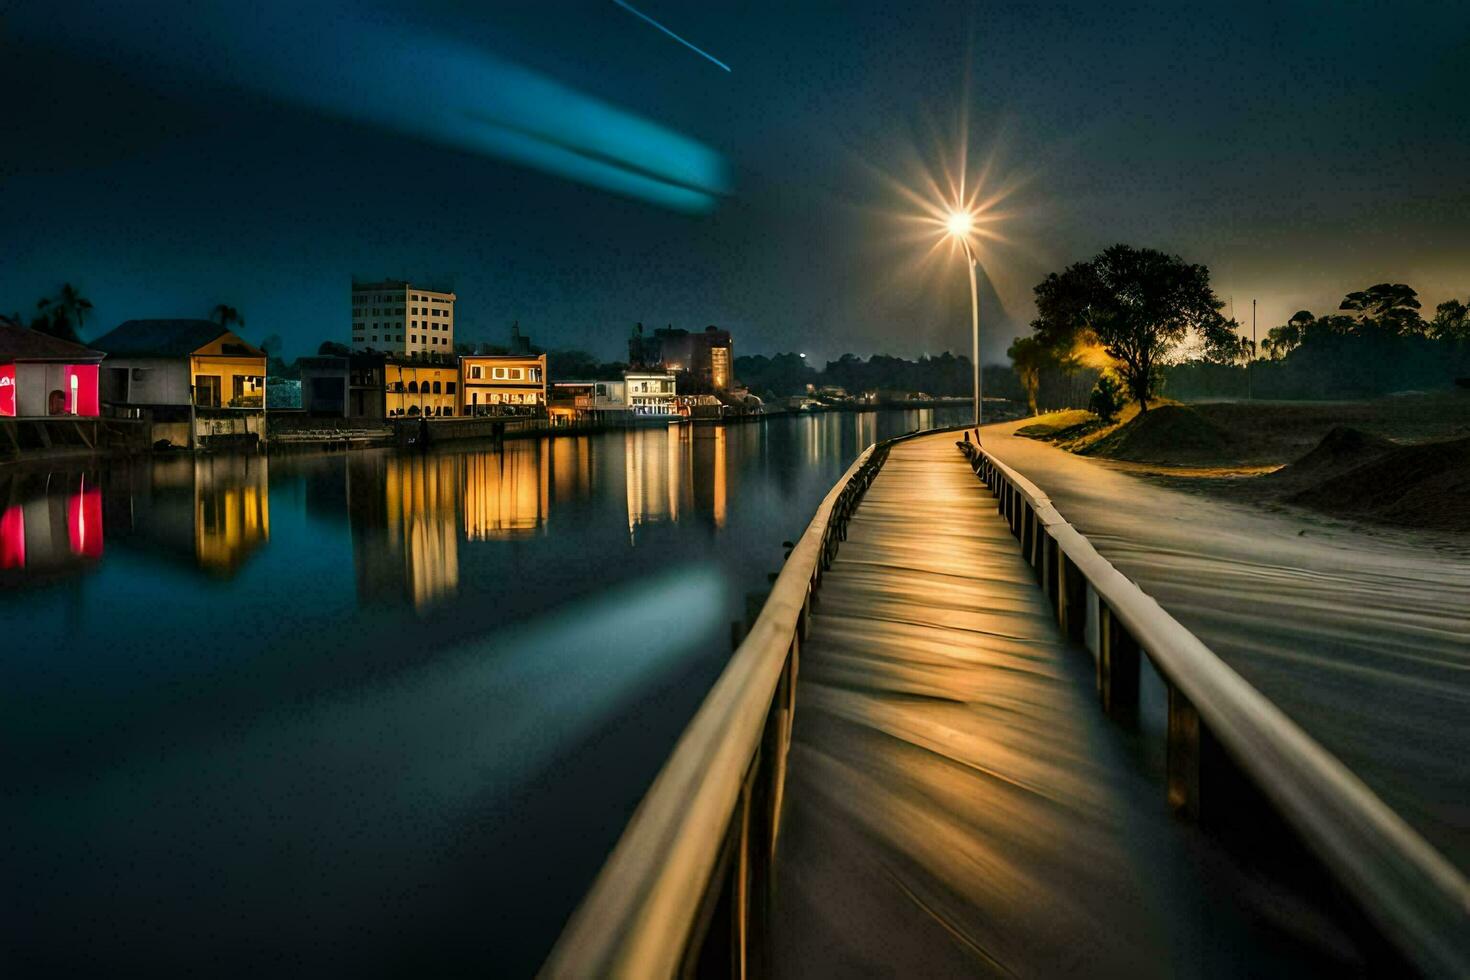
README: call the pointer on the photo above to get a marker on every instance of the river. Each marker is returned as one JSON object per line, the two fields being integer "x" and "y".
{"x": 366, "y": 712}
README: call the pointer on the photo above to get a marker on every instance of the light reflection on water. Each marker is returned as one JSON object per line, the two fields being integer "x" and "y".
{"x": 369, "y": 710}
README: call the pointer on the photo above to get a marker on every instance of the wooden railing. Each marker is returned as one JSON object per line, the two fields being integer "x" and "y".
{"x": 686, "y": 889}
{"x": 1226, "y": 741}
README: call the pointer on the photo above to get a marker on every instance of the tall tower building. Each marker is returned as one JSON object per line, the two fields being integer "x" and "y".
{"x": 402, "y": 319}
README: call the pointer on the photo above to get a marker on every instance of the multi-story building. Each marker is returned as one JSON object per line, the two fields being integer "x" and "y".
{"x": 706, "y": 359}
{"x": 420, "y": 387}
{"x": 402, "y": 319}
{"x": 502, "y": 384}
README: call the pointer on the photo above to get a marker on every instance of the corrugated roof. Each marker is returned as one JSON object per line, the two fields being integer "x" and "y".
{"x": 160, "y": 338}
{"x": 19, "y": 343}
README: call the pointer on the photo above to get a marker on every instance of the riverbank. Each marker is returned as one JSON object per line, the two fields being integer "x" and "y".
{"x": 1394, "y": 462}
{"x": 43, "y": 441}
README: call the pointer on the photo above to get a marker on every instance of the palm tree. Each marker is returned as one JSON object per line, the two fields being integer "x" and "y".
{"x": 226, "y": 315}
{"x": 64, "y": 315}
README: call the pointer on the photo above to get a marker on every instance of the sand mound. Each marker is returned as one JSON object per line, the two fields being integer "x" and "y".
{"x": 1341, "y": 450}
{"x": 1417, "y": 486}
{"x": 1166, "y": 434}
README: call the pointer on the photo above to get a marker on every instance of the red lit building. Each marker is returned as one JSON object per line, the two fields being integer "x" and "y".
{"x": 42, "y": 375}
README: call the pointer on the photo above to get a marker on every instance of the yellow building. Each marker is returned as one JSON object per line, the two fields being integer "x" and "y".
{"x": 421, "y": 388}
{"x": 502, "y": 384}
{"x": 193, "y": 376}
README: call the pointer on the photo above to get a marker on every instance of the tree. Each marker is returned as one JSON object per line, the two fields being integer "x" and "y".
{"x": 1140, "y": 305}
{"x": 64, "y": 315}
{"x": 1391, "y": 307}
{"x": 1029, "y": 357}
{"x": 1281, "y": 341}
{"x": 330, "y": 348}
{"x": 1451, "y": 321}
{"x": 227, "y": 316}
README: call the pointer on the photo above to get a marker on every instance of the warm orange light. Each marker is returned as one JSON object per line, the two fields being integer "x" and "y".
{"x": 960, "y": 223}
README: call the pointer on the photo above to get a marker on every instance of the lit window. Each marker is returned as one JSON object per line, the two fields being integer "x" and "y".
{"x": 498, "y": 373}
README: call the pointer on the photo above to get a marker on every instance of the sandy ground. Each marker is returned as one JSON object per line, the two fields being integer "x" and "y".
{"x": 1269, "y": 435}
{"x": 1364, "y": 639}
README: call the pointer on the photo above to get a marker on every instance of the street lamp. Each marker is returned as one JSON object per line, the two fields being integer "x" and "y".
{"x": 960, "y": 223}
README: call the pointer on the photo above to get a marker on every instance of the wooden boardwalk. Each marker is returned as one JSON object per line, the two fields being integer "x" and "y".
{"x": 957, "y": 805}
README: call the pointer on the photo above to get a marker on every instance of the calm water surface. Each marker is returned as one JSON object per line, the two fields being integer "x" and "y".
{"x": 366, "y": 712}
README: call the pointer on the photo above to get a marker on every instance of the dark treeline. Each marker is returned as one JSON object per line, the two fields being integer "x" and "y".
{"x": 945, "y": 374}
{"x": 1377, "y": 342}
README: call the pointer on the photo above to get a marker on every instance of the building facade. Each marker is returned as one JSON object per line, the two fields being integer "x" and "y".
{"x": 352, "y": 387}
{"x": 420, "y": 388}
{"x": 402, "y": 320}
{"x": 587, "y": 401}
{"x": 193, "y": 375}
{"x": 44, "y": 375}
{"x": 502, "y": 384}
{"x": 650, "y": 392}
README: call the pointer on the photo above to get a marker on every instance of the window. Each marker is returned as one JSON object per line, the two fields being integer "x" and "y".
{"x": 449, "y": 387}
{"x": 475, "y": 371}
{"x": 206, "y": 390}
{"x": 516, "y": 374}
{"x": 448, "y": 410}
{"x": 498, "y": 373}
{"x": 436, "y": 387}
{"x": 535, "y": 374}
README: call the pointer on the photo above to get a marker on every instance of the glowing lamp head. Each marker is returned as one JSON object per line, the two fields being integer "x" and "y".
{"x": 959, "y": 223}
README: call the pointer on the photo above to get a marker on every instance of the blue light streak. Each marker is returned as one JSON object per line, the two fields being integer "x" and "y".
{"x": 647, "y": 19}
{"x": 334, "y": 58}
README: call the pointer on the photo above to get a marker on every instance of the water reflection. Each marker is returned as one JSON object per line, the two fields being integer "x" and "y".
{"x": 404, "y": 530}
{"x": 210, "y": 511}
{"x": 411, "y": 515}
{"x": 505, "y": 494}
{"x": 409, "y": 635}
{"x": 50, "y": 525}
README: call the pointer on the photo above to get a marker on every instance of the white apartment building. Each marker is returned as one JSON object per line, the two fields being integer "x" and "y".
{"x": 401, "y": 319}
{"x": 649, "y": 393}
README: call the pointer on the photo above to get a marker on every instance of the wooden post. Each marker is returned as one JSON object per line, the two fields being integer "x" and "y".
{"x": 1186, "y": 736}
{"x": 1071, "y": 598}
{"x": 1118, "y": 668}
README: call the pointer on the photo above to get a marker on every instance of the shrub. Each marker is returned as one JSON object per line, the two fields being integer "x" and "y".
{"x": 1107, "y": 398}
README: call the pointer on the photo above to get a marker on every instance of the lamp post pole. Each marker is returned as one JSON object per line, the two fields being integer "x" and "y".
{"x": 974, "y": 330}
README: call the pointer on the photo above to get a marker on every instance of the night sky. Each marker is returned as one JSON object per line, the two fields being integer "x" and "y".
{"x": 187, "y": 155}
